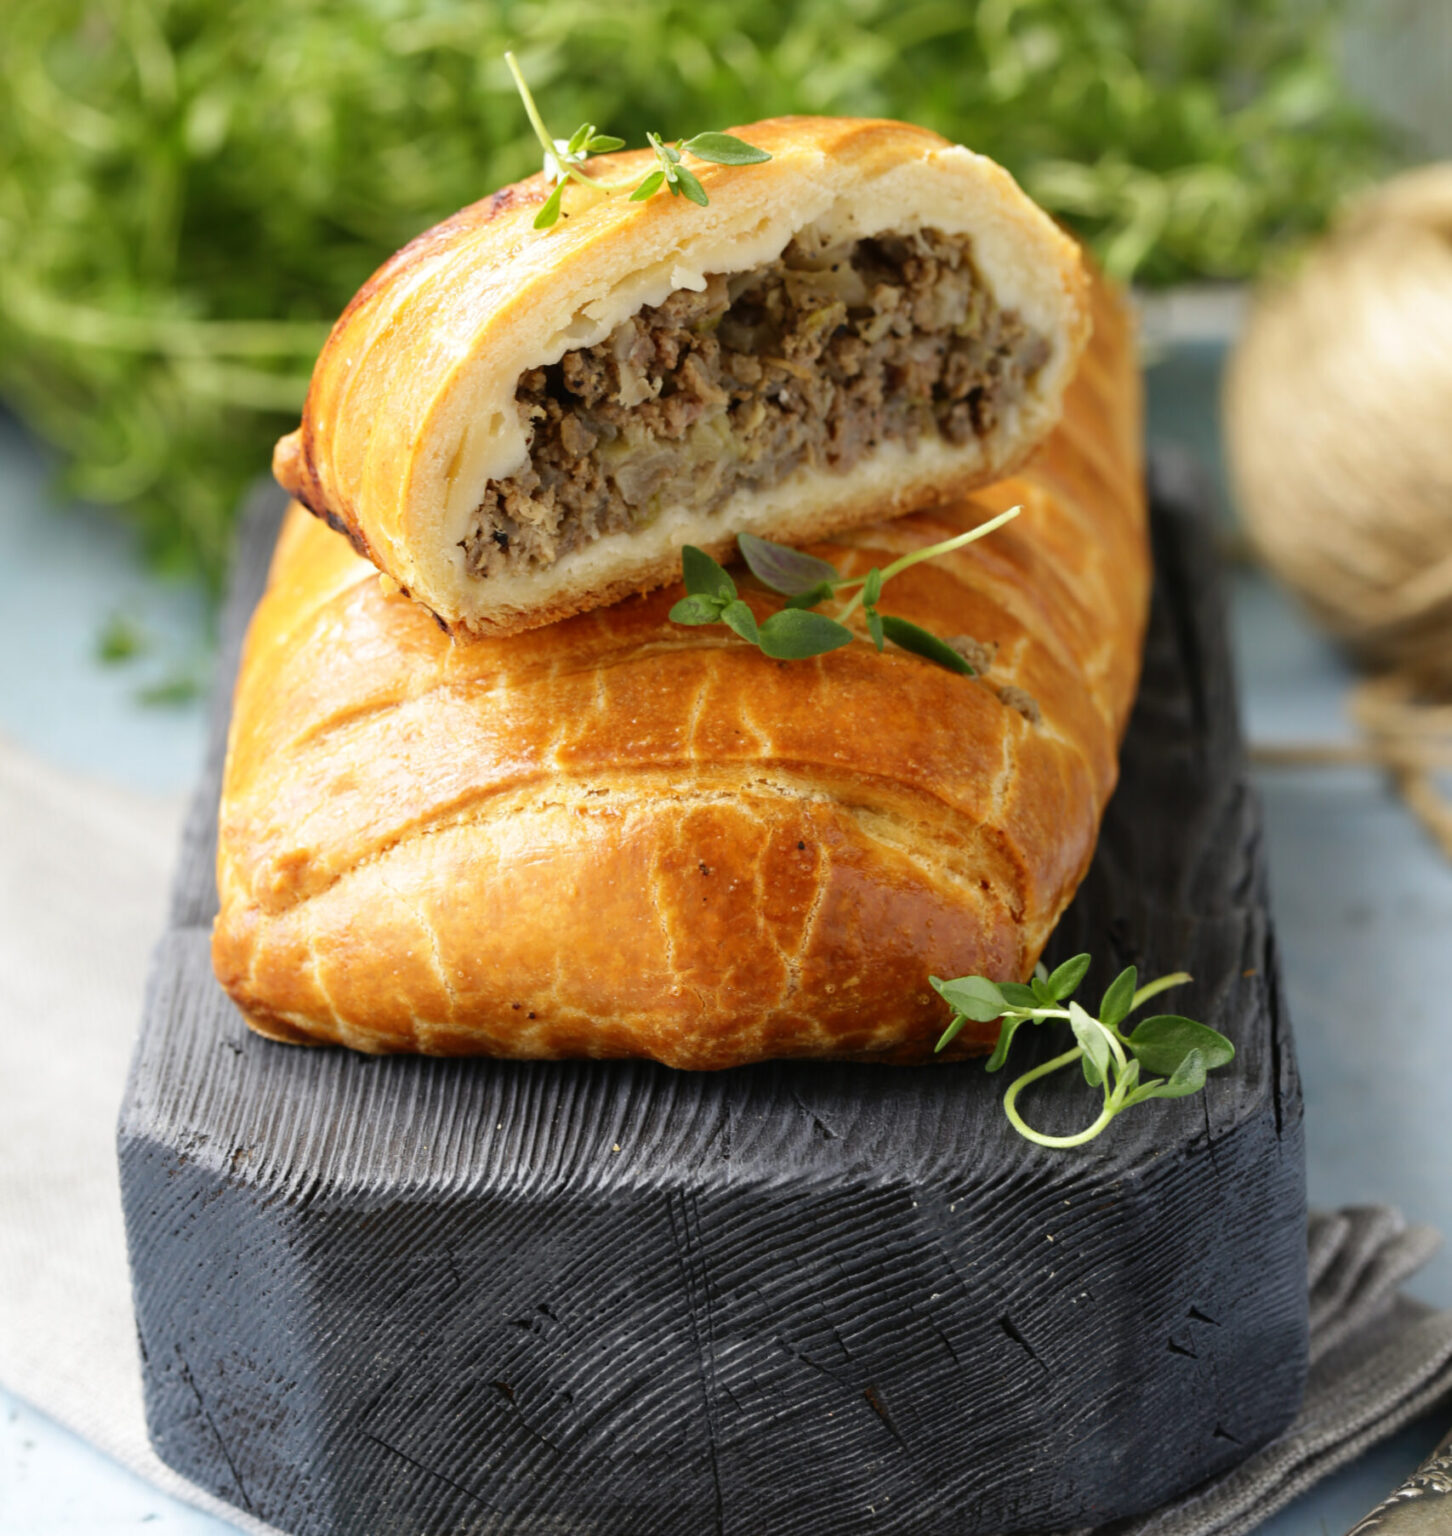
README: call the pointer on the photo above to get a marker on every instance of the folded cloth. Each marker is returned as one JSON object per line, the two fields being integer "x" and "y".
{"x": 1422, "y": 1506}
{"x": 83, "y": 884}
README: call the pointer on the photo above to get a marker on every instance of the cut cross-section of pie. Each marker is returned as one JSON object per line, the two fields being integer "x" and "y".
{"x": 520, "y": 424}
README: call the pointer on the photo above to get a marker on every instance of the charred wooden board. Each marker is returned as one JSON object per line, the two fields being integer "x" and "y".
{"x": 402, "y": 1296}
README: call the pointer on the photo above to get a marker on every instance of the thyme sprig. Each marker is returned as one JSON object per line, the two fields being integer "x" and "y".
{"x": 1179, "y": 1049}
{"x": 564, "y": 159}
{"x": 797, "y": 631}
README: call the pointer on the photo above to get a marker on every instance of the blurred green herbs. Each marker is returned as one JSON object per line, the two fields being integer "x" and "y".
{"x": 121, "y": 639}
{"x": 191, "y": 190}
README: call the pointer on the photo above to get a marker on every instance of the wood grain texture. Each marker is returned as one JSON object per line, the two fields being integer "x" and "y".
{"x": 408, "y": 1296}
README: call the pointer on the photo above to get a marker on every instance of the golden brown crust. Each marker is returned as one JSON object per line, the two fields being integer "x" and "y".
{"x": 411, "y": 409}
{"x": 619, "y": 837}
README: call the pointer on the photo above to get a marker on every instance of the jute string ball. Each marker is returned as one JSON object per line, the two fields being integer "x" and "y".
{"x": 1338, "y": 419}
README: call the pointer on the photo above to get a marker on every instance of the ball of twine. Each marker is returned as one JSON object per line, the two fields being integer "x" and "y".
{"x": 1338, "y": 417}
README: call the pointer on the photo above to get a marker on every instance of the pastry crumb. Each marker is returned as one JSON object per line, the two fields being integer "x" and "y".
{"x": 1025, "y": 703}
{"x": 979, "y": 654}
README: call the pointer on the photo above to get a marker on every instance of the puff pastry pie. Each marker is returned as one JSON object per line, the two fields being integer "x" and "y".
{"x": 517, "y": 425}
{"x": 617, "y": 836}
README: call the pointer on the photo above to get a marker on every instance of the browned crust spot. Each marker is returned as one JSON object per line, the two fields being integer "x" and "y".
{"x": 342, "y": 525}
{"x": 262, "y": 1021}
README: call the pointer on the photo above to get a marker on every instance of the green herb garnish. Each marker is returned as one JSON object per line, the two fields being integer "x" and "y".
{"x": 563, "y": 159}
{"x": 121, "y": 639}
{"x": 1177, "y": 1048}
{"x": 797, "y": 631}
{"x": 173, "y": 690}
{"x": 191, "y": 190}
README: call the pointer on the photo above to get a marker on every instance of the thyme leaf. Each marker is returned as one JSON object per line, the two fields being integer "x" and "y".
{"x": 564, "y": 159}
{"x": 1180, "y": 1049}
{"x": 797, "y": 631}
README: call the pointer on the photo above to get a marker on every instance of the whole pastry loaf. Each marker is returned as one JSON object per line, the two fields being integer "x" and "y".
{"x": 520, "y": 424}
{"x": 621, "y": 837}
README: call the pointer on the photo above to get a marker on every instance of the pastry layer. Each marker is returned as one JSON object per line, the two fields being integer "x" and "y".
{"x": 458, "y": 427}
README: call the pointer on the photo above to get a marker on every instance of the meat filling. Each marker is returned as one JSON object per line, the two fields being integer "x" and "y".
{"x": 816, "y": 358}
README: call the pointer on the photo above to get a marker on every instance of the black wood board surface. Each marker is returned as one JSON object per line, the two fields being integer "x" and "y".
{"x": 392, "y": 1296}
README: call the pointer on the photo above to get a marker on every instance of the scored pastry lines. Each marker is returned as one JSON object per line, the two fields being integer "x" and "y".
{"x": 1099, "y": 456}
{"x": 558, "y": 993}
{"x": 1007, "y": 671}
{"x": 508, "y": 1033}
{"x": 666, "y": 849}
{"x": 431, "y": 939}
{"x": 311, "y": 872}
{"x": 397, "y": 697}
{"x": 1006, "y": 594}
{"x": 694, "y": 717}
{"x": 790, "y": 960}
{"x": 807, "y": 929}
{"x": 761, "y": 738}
{"x": 1031, "y": 612}
{"x": 461, "y": 802}
{"x": 993, "y": 875}
{"x": 315, "y": 971}
{"x": 1008, "y": 757}
{"x": 574, "y": 728}
{"x": 976, "y": 865}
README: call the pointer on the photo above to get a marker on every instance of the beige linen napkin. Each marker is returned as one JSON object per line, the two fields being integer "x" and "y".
{"x": 1422, "y": 1506}
{"x": 84, "y": 870}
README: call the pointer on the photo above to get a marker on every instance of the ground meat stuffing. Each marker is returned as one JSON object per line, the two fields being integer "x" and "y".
{"x": 1021, "y": 700}
{"x": 979, "y": 654}
{"x": 816, "y": 358}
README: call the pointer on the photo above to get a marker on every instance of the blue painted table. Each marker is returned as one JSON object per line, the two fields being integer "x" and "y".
{"x": 1364, "y": 905}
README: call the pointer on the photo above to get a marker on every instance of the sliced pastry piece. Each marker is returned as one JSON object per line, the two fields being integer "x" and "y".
{"x": 519, "y": 424}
